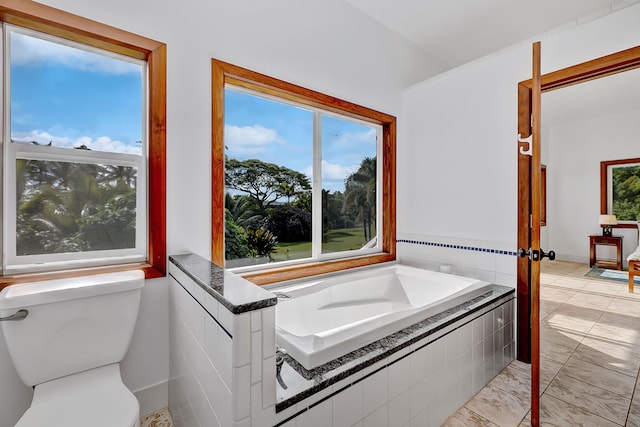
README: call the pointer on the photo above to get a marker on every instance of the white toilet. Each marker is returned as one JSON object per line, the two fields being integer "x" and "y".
{"x": 69, "y": 347}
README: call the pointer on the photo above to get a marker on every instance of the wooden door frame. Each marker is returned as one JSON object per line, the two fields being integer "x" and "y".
{"x": 601, "y": 67}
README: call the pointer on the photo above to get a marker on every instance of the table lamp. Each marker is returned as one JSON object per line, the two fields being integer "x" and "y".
{"x": 606, "y": 222}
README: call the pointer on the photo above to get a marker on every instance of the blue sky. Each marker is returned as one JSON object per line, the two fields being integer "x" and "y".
{"x": 72, "y": 97}
{"x": 274, "y": 132}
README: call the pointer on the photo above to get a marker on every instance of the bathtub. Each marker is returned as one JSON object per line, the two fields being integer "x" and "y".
{"x": 326, "y": 318}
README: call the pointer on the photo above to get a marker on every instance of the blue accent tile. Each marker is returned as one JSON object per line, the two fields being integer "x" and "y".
{"x": 465, "y": 248}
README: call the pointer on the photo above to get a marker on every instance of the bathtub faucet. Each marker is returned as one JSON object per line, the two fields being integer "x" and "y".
{"x": 282, "y": 295}
{"x": 280, "y": 353}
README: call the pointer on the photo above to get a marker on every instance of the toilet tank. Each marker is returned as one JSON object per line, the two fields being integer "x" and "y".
{"x": 73, "y": 324}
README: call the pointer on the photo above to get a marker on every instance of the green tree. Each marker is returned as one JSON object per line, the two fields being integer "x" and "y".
{"x": 626, "y": 193}
{"x": 264, "y": 182}
{"x": 73, "y": 207}
{"x": 360, "y": 195}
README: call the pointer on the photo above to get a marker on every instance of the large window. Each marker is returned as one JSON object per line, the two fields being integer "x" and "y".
{"x": 304, "y": 182}
{"x": 75, "y": 173}
{"x": 620, "y": 189}
{"x": 83, "y": 146}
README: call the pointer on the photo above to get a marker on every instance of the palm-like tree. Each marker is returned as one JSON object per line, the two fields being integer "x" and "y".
{"x": 360, "y": 194}
{"x": 72, "y": 207}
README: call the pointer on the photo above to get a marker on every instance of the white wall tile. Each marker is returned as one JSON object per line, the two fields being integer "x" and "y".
{"x": 399, "y": 376}
{"x": 225, "y": 317}
{"x": 241, "y": 339}
{"x": 379, "y": 418}
{"x": 419, "y": 396}
{"x": 400, "y": 410}
{"x": 269, "y": 381}
{"x": 256, "y": 321}
{"x": 318, "y": 416}
{"x": 466, "y": 337}
{"x": 268, "y": 331}
{"x": 484, "y": 261}
{"x": 241, "y": 392}
{"x": 375, "y": 389}
{"x": 422, "y": 419}
{"x": 487, "y": 276}
{"x": 225, "y": 359}
{"x": 436, "y": 355}
{"x": 256, "y": 357}
{"x": 477, "y": 330}
{"x": 347, "y": 406}
{"x": 418, "y": 361}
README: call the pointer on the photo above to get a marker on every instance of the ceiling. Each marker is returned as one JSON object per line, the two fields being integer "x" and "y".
{"x": 454, "y": 32}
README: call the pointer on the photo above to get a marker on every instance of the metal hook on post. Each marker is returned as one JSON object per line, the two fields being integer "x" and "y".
{"x": 529, "y": 142}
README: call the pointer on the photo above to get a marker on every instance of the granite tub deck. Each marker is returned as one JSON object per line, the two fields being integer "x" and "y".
{"x": 425, "y": 371}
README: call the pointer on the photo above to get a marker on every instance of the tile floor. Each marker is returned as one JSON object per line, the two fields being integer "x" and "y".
{"x": 590, "y": 357}
{"x": 161, "y": 418}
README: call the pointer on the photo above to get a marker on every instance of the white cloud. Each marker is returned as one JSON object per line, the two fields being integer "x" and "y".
{"x": 249, "y": 139}
{"x": 103, "y": 143}
{"x": 332, "y": 171}
{"x": 27, "y": 50}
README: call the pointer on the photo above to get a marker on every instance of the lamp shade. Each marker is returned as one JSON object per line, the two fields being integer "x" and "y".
{"x": 608, "y": 220}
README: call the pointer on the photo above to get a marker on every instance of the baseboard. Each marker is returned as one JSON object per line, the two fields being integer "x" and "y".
{"x": 153, "y": 398}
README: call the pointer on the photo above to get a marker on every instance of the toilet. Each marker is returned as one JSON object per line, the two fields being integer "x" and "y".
{"x": 69, "y": 346}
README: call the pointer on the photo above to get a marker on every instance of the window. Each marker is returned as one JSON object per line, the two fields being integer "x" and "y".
{"x": 620, "y": 189}
{"x": 303, "y": 183}
{"x": 83, "y": 146}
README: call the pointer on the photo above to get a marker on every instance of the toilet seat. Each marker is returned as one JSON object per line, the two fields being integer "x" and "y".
{"x": 96, "y": 398}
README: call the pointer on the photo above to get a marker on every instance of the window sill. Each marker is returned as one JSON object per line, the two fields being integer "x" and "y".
{"x": 298, "y": 271}
{"x": 150, "y": 272}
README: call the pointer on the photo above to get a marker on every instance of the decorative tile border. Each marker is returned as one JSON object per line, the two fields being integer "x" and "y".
{"x": 451, "y": 246}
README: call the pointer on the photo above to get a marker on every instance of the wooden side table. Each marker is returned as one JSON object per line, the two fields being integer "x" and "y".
{"x": 605, "y": 241}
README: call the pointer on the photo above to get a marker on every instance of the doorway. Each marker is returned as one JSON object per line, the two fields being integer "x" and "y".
{"x": 527, "y": 275}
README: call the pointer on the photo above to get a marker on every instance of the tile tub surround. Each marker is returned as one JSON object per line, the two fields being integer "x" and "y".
{"x": 493, "y": 262}
{"x": 213, "y": 317}
{"x": 223, "y": 364}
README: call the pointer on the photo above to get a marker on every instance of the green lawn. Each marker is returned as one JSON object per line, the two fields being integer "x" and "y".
{"x": 338, "y": 240}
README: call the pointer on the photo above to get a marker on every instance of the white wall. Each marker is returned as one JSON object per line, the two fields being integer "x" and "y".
{"x": 457, "y": 147}
{"x": 575, "y": 150}
{"x": 328, "y": 46}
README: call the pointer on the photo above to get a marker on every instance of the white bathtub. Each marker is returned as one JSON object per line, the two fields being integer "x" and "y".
{"x": 328, "y": 318}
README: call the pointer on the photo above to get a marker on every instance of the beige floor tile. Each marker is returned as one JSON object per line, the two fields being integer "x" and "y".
{"x": 551, "y": 293}
{"x": 608, "y": 287}
{"x": 571, "y": 283}
{"x": 634, "y": 412}
{"x": 559, "y": 340}
{"x": 626, "y": 306}
{"x": 515, "y": 381}
{"x": 609, "y": 353}
{"x": 620, "y": 333}
{"x": 622, "y": 320}
{"x": 465, "y": 418}
{"x": 498, "y": 406}
{"x": 555, "y": 412}
{"x": 590, "y": 398}
{"x": 594, "y": 301}
{"x": 598, "y": 376}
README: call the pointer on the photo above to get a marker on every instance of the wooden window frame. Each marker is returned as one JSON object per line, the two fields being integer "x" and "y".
{"x": 604, "y": 188}
{"x": 46, "y": 19}
{"x": 223, "y": 73}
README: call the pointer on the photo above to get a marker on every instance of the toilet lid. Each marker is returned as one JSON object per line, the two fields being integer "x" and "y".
{"x": 98, "y": 405}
